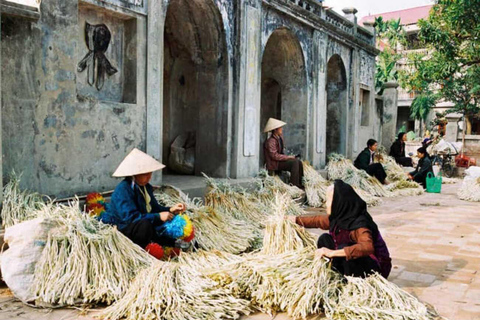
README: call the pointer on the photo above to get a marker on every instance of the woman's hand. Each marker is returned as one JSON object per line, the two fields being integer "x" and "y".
{"x": 166, "y": 216}
{"x": 324, "y": 252}
{"x": 409, "y": 176}
{"x": 292, "y": 219}
{"x": 178, "y": 208}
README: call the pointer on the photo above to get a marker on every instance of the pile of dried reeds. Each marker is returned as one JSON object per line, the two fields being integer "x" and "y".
{"x": 213, "y": 229}
{"x": 170, "y": 290}
{"x": 341, "y": 168}
{"x": 19, "y": 206}
{"x": 86, "y": 261}
{"x": 282, "y": 235}
{"x": 470, "y": 190}
{"x": 315, "y": 186}
{"x": 275, "y": 185}
{"x": 374, "y": 298}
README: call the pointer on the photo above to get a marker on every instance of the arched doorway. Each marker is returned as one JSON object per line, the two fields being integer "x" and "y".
{"x": 284, "y": 90}
{"x": 196, "y": 86}
{"x": 336, "y": 106}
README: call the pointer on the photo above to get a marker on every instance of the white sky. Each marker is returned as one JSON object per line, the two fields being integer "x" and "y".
{"x": 368, "y": 7}
{"x": 31, "y": 3}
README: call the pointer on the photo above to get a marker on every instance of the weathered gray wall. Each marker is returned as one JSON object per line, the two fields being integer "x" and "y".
{"x": 202, "y": 72}
{"x": 65, "y": 141}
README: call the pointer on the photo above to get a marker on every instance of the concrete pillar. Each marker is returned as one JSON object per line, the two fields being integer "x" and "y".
{"x": 155, "y": 27}
{"x": 1, "y": 108}
{"x": 370, "y": 26}
{"x": 354, "y": 123}
{"x": 451, "y": 133}
{"x": 390, "y": 107}
{"x": 350, "y": 14}
{"x": 245, "y": 160}
{"x": 319, "y": 103}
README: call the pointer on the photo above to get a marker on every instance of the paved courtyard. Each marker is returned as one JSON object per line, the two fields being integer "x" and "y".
{"x": 434, "y": 240}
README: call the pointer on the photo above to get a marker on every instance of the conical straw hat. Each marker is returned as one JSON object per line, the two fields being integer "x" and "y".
{"x": 273, "y": 124}
{"x": 137, "y": 162}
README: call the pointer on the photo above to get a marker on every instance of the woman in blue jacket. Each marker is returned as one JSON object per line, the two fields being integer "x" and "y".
{"x": 133, "y": 207}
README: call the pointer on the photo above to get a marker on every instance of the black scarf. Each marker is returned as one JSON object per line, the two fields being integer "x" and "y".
{"x": 349, "y": 211}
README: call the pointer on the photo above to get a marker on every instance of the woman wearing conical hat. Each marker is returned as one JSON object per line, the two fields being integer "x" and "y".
{"x": 275, "y": 157}
{"x": 133, "y": 207}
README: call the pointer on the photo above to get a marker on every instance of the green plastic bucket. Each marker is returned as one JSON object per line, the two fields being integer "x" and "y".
{"x": 434, "y": 184}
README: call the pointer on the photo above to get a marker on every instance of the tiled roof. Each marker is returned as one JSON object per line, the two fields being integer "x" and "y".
{"x": 407, "y": 16}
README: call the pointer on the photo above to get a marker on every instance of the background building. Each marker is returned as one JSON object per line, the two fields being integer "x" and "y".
{"x": 85, "y": 81}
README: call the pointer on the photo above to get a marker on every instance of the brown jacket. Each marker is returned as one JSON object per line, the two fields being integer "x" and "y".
{"x": 362, "y": 237}
{"x": 273, "y": 152}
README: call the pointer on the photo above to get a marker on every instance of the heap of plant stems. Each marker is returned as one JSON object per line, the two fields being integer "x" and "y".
{"x": 235, "y": 202}
{"x": 374, "y": 298}
{"x": 470, "y": 190}
{"x": 447, "y": 180}
{"x": 170, "y": 290}
{"x": 85, "y": 261}
{"x": 397, "y": 177}
{"x": 88, "y": 262}
{"x": 282, "y": 235}
{"x": 341, "y": 168}
{"x": 213, "y": 229}
{"x": 315, "y": 186}
{"x": 19, "y": 206}
{"x": 274, "y": 184}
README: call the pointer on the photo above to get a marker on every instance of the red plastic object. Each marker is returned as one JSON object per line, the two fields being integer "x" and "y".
{"x": 464, "y": 161}
{"x": 155, "y": 250}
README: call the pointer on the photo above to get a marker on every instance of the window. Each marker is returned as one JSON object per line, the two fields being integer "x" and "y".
{"x": 365, "y": 107}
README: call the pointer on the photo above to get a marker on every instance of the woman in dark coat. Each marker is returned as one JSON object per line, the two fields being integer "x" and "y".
{"x": 365, "y": 161}
{"x": 424, "y": 166}
{"x": 397, "y": 150}
{"x": 133, "y": 207}
{"x": 353, "y": 242}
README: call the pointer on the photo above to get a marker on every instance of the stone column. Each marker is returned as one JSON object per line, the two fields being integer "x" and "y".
{"x": 350, "y": 14}
{"x": 1, "y": 108}
{"x": 319, "y": 112}
{"x": 451, "y": 133}
{"x": 390, "y": 108}
{"x": 155, "y": 27}
{"x": 245, "y": 161}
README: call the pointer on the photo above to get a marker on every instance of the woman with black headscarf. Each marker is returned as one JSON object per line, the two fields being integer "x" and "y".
{"x": 353, "y": 242}
{"x": 397, "y": 150}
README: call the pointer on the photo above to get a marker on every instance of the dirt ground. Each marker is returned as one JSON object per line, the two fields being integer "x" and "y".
{"x": 434, "y": 240}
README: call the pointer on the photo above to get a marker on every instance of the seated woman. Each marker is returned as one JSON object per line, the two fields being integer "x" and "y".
{"x": 397, "y": 151}
{"x": 365, "y": 161}
{"x": 133, "y": 207}
{"x": 354, "y": 242}
{"x": 424, "y": 166}
{"x": 275, "y": 158}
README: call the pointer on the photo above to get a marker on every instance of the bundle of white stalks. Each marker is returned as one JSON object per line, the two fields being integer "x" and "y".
{"x": 19, "y": 206}
{"x": 213, "y": 230}
{"x": 170, "y": 290}
{"x": 367, "y": 197}
{"x": 282, "y": 235}
{"x": 447, "y": 180}
{"x": 374, "y": 298}
{"x": 315, "y": 186}
{"x": 309, "y": 282}
{"x": 220, "y": 232}
{"x": 274, "y": 184}
{"x": 405, "y": 188}
{"x": 470, "y": 190}
{"x": 340, "y": 168}
{"x": 235, "y": 202}
{"x": 86, "y": 261}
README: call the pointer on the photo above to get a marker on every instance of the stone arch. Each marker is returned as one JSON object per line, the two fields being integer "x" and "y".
{"x": 196, "y": 83}
{"x": 337, "y": 95}
{"x": 284, "y": 89}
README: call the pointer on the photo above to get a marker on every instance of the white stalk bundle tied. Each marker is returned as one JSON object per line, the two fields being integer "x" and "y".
{"x": 86, "y": 261}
